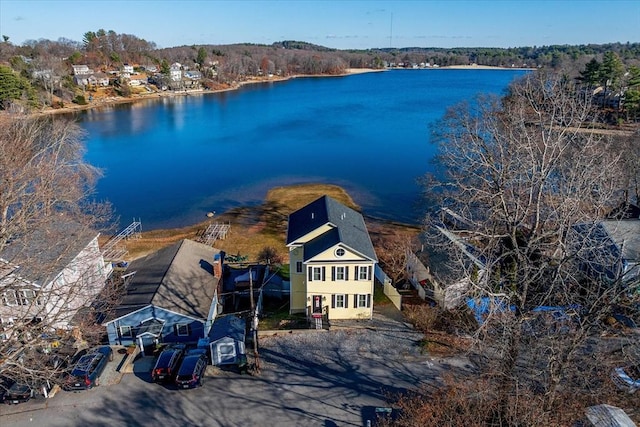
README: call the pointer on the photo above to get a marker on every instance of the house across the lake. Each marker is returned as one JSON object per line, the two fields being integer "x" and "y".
{"x": 332, "y": 261}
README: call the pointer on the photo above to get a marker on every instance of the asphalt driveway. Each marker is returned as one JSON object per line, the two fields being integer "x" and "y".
{"x": 314, "y": 379}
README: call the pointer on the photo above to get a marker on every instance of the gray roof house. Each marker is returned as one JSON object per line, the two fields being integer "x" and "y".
{"x": 331, "y": 262}
{"x": 49, "y": 274}
{"x": 610, "y": 249}
{"x": 170, "y": 296}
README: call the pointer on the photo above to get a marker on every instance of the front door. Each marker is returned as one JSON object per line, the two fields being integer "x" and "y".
{"x": 147, "y": 344}
{"x": 317, "y": 304}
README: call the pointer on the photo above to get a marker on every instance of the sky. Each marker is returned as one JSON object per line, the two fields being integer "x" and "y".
{"x": 336, "y": 24}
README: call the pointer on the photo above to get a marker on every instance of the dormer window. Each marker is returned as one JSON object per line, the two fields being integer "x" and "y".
{"x": 340, "y": 252}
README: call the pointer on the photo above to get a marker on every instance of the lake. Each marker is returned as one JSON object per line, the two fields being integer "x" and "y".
{"x": 169, "y": 161}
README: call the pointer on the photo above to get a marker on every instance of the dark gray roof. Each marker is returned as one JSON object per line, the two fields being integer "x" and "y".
{"x": 43, "y": 252}
{"x": 228, "y": 326}
{"x": 626, "y": 235}
{"x": 178, "y": 278}
{"x": 348, "y": 227}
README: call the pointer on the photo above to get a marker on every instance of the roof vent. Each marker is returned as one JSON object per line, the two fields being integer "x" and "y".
{"x": 344, "y": 214}
{"x": 313, "y": 215}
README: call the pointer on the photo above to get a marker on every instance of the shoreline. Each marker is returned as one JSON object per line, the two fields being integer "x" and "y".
{"x": 170, "y": 94}
{"x": 105, "y": 102}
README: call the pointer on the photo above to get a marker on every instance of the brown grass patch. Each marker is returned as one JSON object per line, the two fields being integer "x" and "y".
{"x": 253, "y": 228}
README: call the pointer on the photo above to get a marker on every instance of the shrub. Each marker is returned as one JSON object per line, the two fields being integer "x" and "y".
{"x": 80, "y": 100}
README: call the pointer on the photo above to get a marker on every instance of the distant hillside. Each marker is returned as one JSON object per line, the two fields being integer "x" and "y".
{"x": 39, "y": 73}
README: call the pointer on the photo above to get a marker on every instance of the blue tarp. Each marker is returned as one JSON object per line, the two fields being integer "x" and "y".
{"x": 481, "y": 307}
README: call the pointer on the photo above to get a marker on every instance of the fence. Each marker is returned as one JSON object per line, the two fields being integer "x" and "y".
{"x": 389, "y": 290}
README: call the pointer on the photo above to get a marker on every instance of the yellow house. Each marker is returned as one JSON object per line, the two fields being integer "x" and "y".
{"x": 331, "y": 262}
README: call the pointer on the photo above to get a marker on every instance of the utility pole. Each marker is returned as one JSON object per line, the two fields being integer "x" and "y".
{"x": 254, "y": 324}
{"x": 391, "y": 31}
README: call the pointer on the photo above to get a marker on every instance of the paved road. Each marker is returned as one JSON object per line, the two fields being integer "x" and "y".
{"x": 316, "y": 379}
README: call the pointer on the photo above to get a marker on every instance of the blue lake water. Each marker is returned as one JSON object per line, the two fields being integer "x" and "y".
{"x": 169, "y": 161}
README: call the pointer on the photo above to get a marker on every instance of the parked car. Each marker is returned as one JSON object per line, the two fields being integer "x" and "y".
{"x": 19, "y": 392}
{"x": 88, "y": 368}
{"x": 192, "y": 369}
{"x": 627, "y": 378}
{"x": 167, "y": 364}
{"x": 5, "y": 384}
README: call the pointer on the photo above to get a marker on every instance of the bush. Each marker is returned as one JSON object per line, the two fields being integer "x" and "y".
{"x": 80, "y": 100}
{"x": 426, "y": 318}
{"x": 269, "y": 255}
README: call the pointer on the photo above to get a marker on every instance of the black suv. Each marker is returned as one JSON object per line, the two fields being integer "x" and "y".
{"x": 167, "y": 364}
{"x": 87, "y": 370}
{"x": 192, "y": 369}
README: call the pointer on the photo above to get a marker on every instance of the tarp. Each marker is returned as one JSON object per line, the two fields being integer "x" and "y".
{"x": 245, "y": 277}
{"x": 484, "y": 306}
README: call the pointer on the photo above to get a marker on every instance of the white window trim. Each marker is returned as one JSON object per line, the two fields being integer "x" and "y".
{"x": 6, "y": 299}
{"x": 129, "y": 334}
{"x": 316, "y": 273}
{"x": 363, "y": 269}
{"x": 342, "y": 267}
{"x": 186, "y": 328}
{"x": 361, "y": 303}
{"x": 338, "y": 254}
{"x": 344, "y": 305}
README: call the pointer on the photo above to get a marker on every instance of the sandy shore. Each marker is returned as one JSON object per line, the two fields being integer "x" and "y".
{"x": 482, "y": 67}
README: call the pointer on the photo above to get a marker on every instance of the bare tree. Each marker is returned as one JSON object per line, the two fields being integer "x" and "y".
{"x": 51, "y": 268}
{"x": 392, "y": 249}
{"x": 518, "y": 175}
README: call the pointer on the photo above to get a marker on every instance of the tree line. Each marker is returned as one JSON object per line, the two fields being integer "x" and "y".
{"x": 104, "y": 50}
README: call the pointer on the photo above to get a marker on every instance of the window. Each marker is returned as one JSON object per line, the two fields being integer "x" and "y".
{"x": 340, "y": 252}
{"x": 339, "y": 273}
{"x": 363, "y": 272}
{"x": 316, "y": 273}
{"x": 125, "y": 332}
{"x": 27, "y": 296}
{"x": 362, "y": 301}
{"x": 9, "y": 298}
{"x": 298, "y": 266}
{"x": 182, "y": 330}
{"x": 339, "y": 301}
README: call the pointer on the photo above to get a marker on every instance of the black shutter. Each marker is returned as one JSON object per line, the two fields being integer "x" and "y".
{"x": 368, "y": 300}
{"x": 346, "y": 301}
{"x": 310, "y": 278}
{"x": 355, "y": 301}
{"x": 323, "y": 270}
{"x": 333, "y": 274}
{"x": 369, "y": 274}
{"x": 356, "y": 272}
{"x": 333, "y": 301}
{"x": 346, "y": 272}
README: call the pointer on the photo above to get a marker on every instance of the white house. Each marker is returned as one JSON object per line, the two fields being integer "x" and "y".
{"x": 175, "y": 72}
{"x": 49, "y": 275}
{"x": 82, "y": 69}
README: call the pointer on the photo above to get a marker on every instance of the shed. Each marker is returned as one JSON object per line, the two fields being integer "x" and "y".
{"x": 226, "y": 338}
